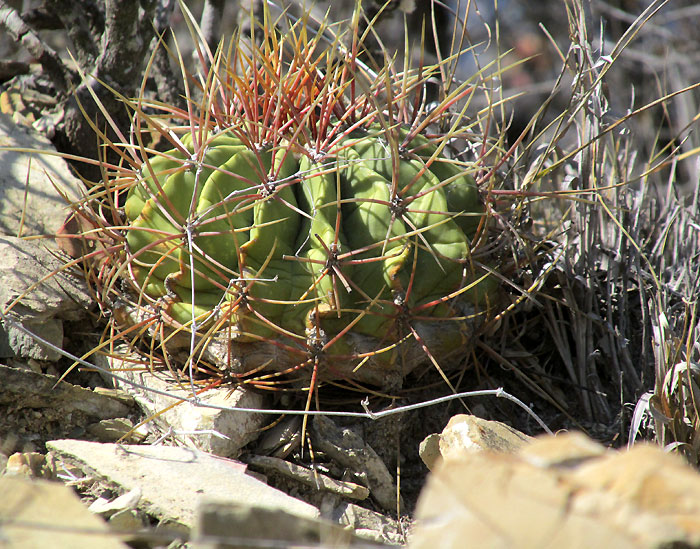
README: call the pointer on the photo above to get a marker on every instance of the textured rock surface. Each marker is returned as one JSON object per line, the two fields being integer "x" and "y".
{"x": 563, "y": 491}
{"x": 348, "y": 448}
{"x": 42, "y": 210}
{"x": 46, "y": 296}
{"x": 466, "y": 433}
{"x": 218, "y": 431}
{"x": 251, "y": 526}
{"x": 35, "y": 407}
{"x": 172, "y": 481}
{"x": 37, "y": 513}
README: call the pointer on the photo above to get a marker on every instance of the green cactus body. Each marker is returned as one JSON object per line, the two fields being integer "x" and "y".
{"x": 264, "y": 244}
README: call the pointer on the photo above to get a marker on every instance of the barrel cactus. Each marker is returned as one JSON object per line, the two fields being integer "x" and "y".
{"x": 306, "y": 211}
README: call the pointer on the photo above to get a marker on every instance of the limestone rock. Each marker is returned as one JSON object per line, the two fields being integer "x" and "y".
{"x": 28, "y": 464}
{"x": 565, "y": 492}
{"x": 46, "y": 296}
{"x": 251, "y": 526}
{"x": 44, "y": 176}
{"x": 367, "y": 524}
{"x": 467, "y": 433}
{"x": 172, "y": 481}
{"x": 348, "y": 449}
{"x": 37, "y": 407}
{"x": 39, "y": 513}
{"x": 206, "y": 427}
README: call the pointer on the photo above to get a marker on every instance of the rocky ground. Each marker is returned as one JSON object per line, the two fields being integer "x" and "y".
{"x": 90, "y": 460}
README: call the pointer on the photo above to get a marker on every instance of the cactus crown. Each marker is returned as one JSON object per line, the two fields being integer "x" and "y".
{"x": 305, "y": 209}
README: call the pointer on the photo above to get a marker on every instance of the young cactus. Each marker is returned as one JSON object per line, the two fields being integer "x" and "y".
{"x": 304, "y": 215}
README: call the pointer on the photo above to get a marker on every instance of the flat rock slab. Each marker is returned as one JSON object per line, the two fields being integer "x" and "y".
{"x": 36, "y": 513}
{"x": 26, "y": 389}
{"x": 172, "y": 480}
{"x": 42, "y": 210}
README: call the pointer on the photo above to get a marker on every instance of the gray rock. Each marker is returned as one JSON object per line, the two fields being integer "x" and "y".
{"x": 113, "y": 430}
{"x": 23, "y": 389}
{"x": 368, "y": 524}
{"x": 217, "y": 431}
{"x": 173, "y": 481}
{"x": 38, "y": 513}
{"x": 37, "y": 293}
{"x": 40, "y": 175}
{"x": 227, "y": 525}
{"x": 106, "y": 508}
{"x": 309, "y": 477}
{"x": 349, "y": 450}
{"x": 37, "y": 407}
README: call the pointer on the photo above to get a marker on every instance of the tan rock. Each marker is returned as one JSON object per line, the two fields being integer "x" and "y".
{"x": 564, "y": 492}
{"x": 467, "y": 433}
{"x": 28, "y": 464}
{"x": 39, "y": 513}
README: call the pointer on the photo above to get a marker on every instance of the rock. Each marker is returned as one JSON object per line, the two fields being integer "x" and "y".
{"x": 126, "y": 521}
{"x": 217, "y": 431}
{"x": 26, "y": 389}
{"x": 242, "y": 526}
{"x": 563, "y": 491}
{"x": 429, "y": 451}
{"x": 37, "y": 407}
{"x": 106, "y": 508}
{"x": 349, "y": 450}
{"x": 367, "y": 524}
{"x": 39, "y": 513}
{"x": 280, "y": 439}
{"x": 43, "y": 176}
{"x": 28, "y": 464}
{"x": 113, "y": 430}
{"x": 172, "y": 480}
{"x": 467, "y": 433}
{"x": 309, "y": 477}
{"x": 46, "y": 296}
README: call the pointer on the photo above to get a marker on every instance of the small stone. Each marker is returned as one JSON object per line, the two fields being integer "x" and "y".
{"x": 209, "y": 427}
{"x": 126, "y": 521}
{"x": 309, "y": 477}
{"x": 112, "y": 430}
{"x": 467, "y": 433}
{"x": 349, "y": 450}
{"x": 28, "y": 464}
{"x": 368, "y": 524}
{"x": 429, "y": 450}
{"x": 107, "y": 508}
